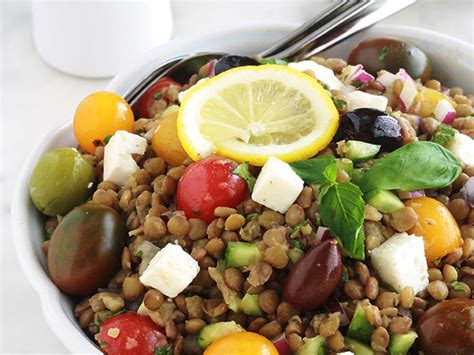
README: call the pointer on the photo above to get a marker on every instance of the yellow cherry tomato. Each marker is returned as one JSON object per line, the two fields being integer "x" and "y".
{"x": 428, "y": 99}
{"x": 165, "y": 141}
{"x": 99, "y": 115}
{"x": 245, "y": 343}
{"x": 437, "y": 226}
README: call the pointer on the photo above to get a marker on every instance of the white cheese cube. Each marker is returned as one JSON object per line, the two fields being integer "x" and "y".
{"x": 462, "y": 147}
{"x": 400, "y": 262}
{"x": 170, "y": 271}
{"x": 277, "y": 185}
{"x": 360, "y": 99}
{"x": 319, "y": 72}
{"x": 118, "y": 162}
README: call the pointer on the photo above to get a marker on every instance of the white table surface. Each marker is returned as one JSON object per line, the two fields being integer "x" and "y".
{"x": 36, "y": 98}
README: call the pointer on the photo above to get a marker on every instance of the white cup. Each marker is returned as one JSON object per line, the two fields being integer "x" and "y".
{"x": 96, "y": 38}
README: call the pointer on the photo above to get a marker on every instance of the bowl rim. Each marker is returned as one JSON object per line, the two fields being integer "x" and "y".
{"x": 49, "y": 295}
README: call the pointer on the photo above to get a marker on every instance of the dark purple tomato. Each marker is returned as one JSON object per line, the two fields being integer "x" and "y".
{"x": 391, "y": 54}
{"x": 448, "y": 328}
{"x": 371, "y": 126}
{"x": 313, "y": 278}
{"x": 233, "y": 61}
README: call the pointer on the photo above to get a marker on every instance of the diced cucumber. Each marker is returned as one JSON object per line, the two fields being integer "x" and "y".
{"x": 235, "y": 305}
{"x": 313, "y": 346}
{"x": 250, "y": 305}
{"x": 384, "y": 200}
{"x": 358, "y": 151}
{"x": 357, "y": 348}
{"x": 360, "y": 327}
{"x": 401, "y": 343}
{"x": 210, "y": 333}
{"x": 357, "y": 175}
{"x": 345, "y": 164}
{"x": 240, "y": 254}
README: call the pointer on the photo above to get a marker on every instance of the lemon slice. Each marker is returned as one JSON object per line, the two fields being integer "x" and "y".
{"x": 254, "y": 112}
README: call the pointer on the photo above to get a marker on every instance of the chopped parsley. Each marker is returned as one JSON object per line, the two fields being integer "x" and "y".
{"x": 157, "y": 95}
{"x": 273, "y": 61}
{"x": 103, "y": 344}
{"x": 297, "y": 244}
{"x": 139, "y": 253}
{"x": 196, "y": 212}
{"x": 339, "y": 103}
{"x": 107, "y": 139}
{"x": 95, "y": 327}
{"x": 456, "y": 286}
{"x": 357, "y": 83}
{"x": 443, "y": 134}
{"x": 164, "y": 350}
{"x": 242, "y": 170}
{"x": 324, "y": 86}
{"x": 436, "y": 261}
{"x": 383, "y": 53}
{"x": 345, "y": 276}
{"x": 298, "y": 227}
{"x": 251, "y": 216}
{"x": 138, "y": 131}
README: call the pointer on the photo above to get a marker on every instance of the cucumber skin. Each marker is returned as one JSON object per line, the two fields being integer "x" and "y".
{"x": 207, "y": 335}
{"x": 240, "y": 254}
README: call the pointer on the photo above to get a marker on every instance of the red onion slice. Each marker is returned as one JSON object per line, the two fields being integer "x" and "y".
{"x": 322, "y": 234}
{"x": 333, "y": 306}
{"x": 467, "y": 191}
{"x": 281, "y": 344}
{"x": 210, "y": 68}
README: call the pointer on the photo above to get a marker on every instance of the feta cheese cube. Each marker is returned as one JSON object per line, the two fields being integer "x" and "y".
{"x": 319, "y": 72}
{"x": 462, "y": 147}
{"x": 118, "y": 162}
{"x": 400, "y": 262}
{"x": 170, "y": 271}
{"x": 277, "y": 185}
{"x": 360, "y": 99}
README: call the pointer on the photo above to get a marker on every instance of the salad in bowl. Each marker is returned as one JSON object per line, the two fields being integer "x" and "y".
{"x": 266, "y": 207}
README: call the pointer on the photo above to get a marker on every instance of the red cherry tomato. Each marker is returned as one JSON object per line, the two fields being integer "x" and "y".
{"x": 143, "y": 107}
{"x": 130, "y": 334}
{"x": 207, "y": 184}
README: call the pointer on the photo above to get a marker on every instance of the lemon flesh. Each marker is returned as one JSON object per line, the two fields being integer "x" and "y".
{"x": 251, "y": 113}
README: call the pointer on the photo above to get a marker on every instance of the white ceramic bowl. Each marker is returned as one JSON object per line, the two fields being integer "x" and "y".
{"x": 453, "y": 63}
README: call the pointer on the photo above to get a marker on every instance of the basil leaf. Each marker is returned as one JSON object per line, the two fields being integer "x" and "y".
{"x": 443, "y": 134}
{"x": 342, "y": 210}
{"x": 316, "y": 170}
{"x": 415, "y": 166}
{"x": 242, "y": 170}
{"x": 164, "y": 350}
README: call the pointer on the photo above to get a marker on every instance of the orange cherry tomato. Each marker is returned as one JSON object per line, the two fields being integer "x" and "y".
{"x": 165, "y": 141}
{"x": 244, "y": 343}
{"x": 99, "y": 115}
{"x": 437, "y": 226}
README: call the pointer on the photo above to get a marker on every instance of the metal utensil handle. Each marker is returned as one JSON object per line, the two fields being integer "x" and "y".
{"x": 308, "y": 27}
{"x": 346, "y": 24}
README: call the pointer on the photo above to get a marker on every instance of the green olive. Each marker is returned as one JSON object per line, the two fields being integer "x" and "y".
{"x": 85, "y": 249}
{"x": 391, "y": 54}
{"x": 61, "y": 180}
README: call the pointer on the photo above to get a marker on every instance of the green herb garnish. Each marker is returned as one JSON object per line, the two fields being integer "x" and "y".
{"x": 196, "y": 212}
{"x": 242, "y": 170}
{"x": 139, "y": 131}
{"x": 388, "y": 287}
{"x": 297, "y": 244}
{"x": 383, "y": 53}
{"x": 324, "y": 86}
{"x": 103, "y": 344}
{"x": 251, "y": 216}
{"x": 357, "y": 83}
{"x": 297, "y": 228}
{"x": 345, "y": 276}
{"x": 316, "y": 170}
{"x": 157, "y": 95}
{"x": 95, "y": 327}
{"x": 273, "y": 61}
{"x": 443, "y": 134}
{"x": 164, "y": 350}
{"x": 339, "y": 103}
{"x": 415, "y": 166}
{"x": 107, "y": 139}
{"x": 436, "y": 261}
{"x": 456, "y": 286}
{"x": 139, "y": 253}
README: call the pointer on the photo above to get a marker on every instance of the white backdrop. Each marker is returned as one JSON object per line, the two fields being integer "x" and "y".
{"x": 35, "y": 98}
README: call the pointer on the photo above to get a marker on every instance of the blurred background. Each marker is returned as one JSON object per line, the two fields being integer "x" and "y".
{"x": 35, "y": 97}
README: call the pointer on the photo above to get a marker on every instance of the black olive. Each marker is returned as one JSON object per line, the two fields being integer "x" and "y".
{"x": 233, "y": 61}
{"x": 371, "y": 126}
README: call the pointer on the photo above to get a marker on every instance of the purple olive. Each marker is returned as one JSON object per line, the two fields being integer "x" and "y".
{"x": 313, "y": 279}
{"x": 391, "y": 54}
{"x": 371, "y": 126}
{"x": 233, "y": 61}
